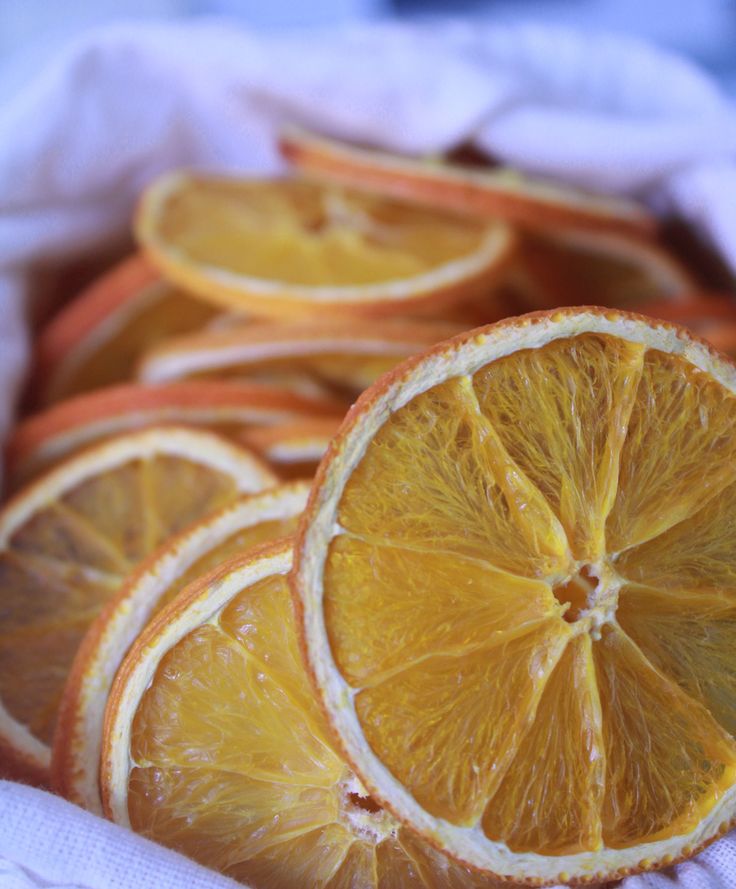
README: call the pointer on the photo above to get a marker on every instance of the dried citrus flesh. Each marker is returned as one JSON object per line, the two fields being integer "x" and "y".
{"x": 68, "y": 541}
{"x": 516, "y": 588}
{"x": 327, "y": 357}
{"x": 293, "y": 449}
{"x": 97, "y": 338}
{"x": 496, "y": 193}
{"x": 45, "y": 438}
{"x": 249, "y": 521}
{"x": 284, "y": 248}
{"x": 215, "y": 746}
{"x": 622, "y": 271}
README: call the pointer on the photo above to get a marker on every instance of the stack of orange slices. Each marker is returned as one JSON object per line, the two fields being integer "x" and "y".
{"x": 327, "y": 567}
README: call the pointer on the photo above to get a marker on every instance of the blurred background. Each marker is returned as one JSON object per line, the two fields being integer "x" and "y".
{"x": 704, "y": 30}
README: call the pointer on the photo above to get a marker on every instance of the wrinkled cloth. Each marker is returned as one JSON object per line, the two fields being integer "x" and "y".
{"x": 124, "y": 104}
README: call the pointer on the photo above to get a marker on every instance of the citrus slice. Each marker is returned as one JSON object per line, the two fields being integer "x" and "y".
{"x": 68, "y": 541}
{"x": 467, "y": 574}
{"x": 215, "y": 746}
{"x": 339, "y": 358}
{"x": 96, "y": 339}
{"x": 251, "y": 520}
{"x": 495, "y": 193}
{"x": 292, "y": 449}
{"x": 225, "y": 407}
{"x": 281, "y": 248}
{"x": 569, "y": 267}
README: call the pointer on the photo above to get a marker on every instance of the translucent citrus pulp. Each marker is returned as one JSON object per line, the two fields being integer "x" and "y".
{"x": 516, "y": 583}
{"x": 251, "y": 520}
{"x": 215, "y": 745}
{"x": 496, "y": 193}
{"x": 281, "y": 248}
{"x": 225, "y": 407}
{"x": 326, "y": 357}
{"x": 68, "y": 541}
{"x": 97, "y": 338}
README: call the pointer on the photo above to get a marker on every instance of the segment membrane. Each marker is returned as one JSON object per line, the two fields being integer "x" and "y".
{"x": 262, "y": 622}
{"x": 180, "y": 491}
{"x": 561, "y": 412}
{"x": 405, "y": 606}
{"x": 696, "y": 555}
{"x": 43, "y": 654}
{"x": 123, "y": 520}
{"x": 667, "y": 760}
{"x": 691, "y": 638}
{"x": 65, "y": 536}
{"x": 550, "y": 801}
{"x": 447, "y": 727}
{"x": 426, "y": 481}
{"x": 680, "y": 450}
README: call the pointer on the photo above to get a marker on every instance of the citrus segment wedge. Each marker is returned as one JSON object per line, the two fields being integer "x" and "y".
{"x": 225, "y": 407}
{"x": 68, "y": 541}
{"x": 251, "y": 520}
{"x": 680, "y": 410}
{"x": 284, "y": 248}
{"x": 558, "y": 769}
{"x": 215, "y": 745}
{"x": 97, "y": 338}
{"x": 494, "y": 193}
{"x": 688, "y": 637}
{"x": 488, "y": 510}
{"x": 452, "y": 500}
{"x": 662, "y": 775}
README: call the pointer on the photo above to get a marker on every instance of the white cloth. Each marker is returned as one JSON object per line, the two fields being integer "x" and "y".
{"x": 122, "y": 105}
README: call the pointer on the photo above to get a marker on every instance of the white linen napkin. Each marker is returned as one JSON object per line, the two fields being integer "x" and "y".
{"x": 123, "y": 104}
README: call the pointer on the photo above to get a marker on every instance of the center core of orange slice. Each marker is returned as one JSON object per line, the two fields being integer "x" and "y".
{"x": 590, "y": 597}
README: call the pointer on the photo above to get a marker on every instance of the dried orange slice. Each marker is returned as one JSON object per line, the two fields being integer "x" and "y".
{"x": 215, "y": 746}
{"x": 68, "y": 541}
{"x": 517, "y": 585}
{"x": 252, "y": 520}
{"x": 495, "y": 193}
{"x": 97, "y": 338}
{"x": 225, "y": 407}
{"x": 293, "y": 449}
{"x": 573, "y": 267}
{"x": 282, "y": 248}
{"x": 338, "y": 358}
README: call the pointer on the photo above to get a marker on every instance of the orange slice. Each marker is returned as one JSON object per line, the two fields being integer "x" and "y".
{"x": 68, "y": 541}
{"x": 573, "y": 267}
{"x": 481, "y": 573}
{"x": 215, "y": 746}
{"x": 225, "y": 407}
{"x": 96, "y": 339}
{"x": 282, "y": 248}
{"x": 293, "y": 449}
{"x": 495, "y": 193}
{"x": 252, "y": 520}
{"x": 338, "y": 358}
